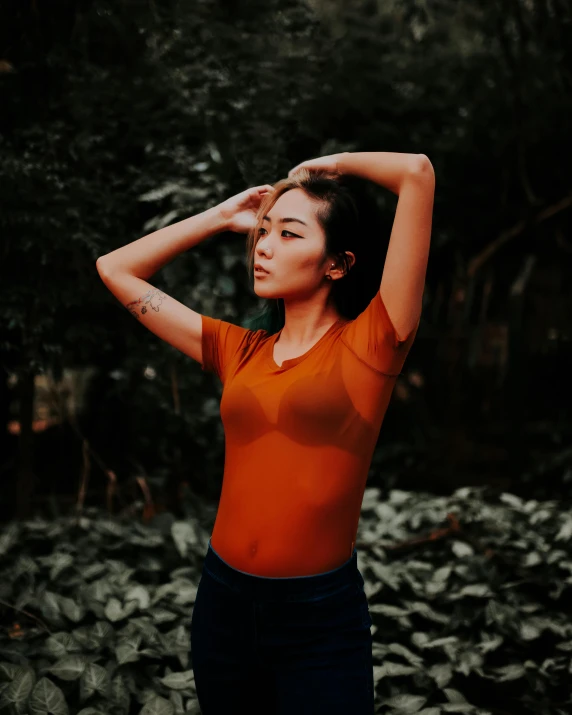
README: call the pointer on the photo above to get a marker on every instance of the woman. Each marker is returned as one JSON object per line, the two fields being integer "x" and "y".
{"x": 281, "y": 621}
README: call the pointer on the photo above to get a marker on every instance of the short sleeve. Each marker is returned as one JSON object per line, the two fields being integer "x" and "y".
{"x": 373, "y": 339}
{"x": 221, "y": 341}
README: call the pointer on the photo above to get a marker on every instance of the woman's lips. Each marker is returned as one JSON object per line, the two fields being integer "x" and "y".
{"x": 259, "y": 273}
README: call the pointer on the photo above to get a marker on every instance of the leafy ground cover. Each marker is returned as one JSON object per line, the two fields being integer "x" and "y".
{"x": 469, "y": 595}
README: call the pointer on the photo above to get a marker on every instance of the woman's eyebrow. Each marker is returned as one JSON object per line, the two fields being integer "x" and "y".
{"x": 286, "y": 220}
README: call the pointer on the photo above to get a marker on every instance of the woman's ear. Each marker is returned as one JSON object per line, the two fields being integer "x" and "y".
{"x": 351, "y": 258}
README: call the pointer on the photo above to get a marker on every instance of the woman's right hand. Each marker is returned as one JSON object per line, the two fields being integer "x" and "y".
{"x": 240, "y": 211}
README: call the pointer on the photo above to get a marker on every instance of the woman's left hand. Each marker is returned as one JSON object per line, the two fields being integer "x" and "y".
{"x": 324, "y": 163}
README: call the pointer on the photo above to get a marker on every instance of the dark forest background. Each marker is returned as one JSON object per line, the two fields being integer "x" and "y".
{"x": 119, "y": 118}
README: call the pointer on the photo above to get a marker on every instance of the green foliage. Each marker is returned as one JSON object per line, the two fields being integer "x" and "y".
{"x": 469, "y": 616}
{"x": 108, "y": 591}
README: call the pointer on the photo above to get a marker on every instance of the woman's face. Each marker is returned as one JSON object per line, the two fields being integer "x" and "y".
{"x": 291, "y": 252}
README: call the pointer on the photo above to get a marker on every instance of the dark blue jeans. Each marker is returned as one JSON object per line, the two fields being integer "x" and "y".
{"x": 282, "y": 646}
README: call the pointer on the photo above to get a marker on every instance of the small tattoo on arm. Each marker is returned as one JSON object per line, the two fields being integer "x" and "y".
{"x": 152, "y": 299}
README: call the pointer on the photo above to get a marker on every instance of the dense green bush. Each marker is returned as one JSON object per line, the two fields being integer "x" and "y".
{"x": 467, "y": 594}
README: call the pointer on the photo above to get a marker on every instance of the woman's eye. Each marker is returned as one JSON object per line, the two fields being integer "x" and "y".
{"x": 283, "y": 231}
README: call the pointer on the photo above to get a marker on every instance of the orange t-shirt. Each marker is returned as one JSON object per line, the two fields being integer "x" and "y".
{"x": 299, "y": 439}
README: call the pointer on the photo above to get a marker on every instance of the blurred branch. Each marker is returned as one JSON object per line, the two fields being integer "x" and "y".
{"x": 477, "y": 262}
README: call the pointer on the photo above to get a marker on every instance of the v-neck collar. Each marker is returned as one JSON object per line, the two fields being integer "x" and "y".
{"x": 291, "y": 362}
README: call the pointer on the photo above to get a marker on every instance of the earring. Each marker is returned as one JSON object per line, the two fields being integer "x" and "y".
{"x": 328, "y": 276}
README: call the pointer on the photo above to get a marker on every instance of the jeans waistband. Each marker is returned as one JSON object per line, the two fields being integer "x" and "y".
{"x": 282, "y": 588}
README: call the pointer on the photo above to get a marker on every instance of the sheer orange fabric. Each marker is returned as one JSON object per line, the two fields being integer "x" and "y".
{"x": 299, "y": 439}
